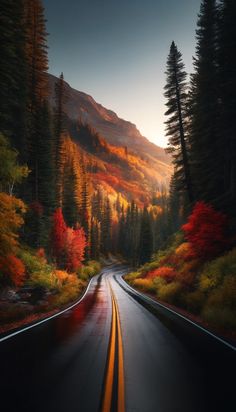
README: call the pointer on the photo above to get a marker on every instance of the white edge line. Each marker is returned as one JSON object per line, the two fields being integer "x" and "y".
{"x": 178, "y": 314}
{"x": 11, "y": 335}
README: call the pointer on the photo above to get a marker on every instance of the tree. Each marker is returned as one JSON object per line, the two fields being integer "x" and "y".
{"x": 11, "y": 220}
{"x": 11, "y": 172}
{"x": 59, "y": 133}
{"x": 227, "y": 93}
{"x": 146, "y": 238}
{"x": 206, "y": 231}
{"x": 58, "y": 237}
{"x": 204, "y": 141}
{"x": 13, "y": 80}
{"x": 176, "y": 125}
{"x": 12, "y": 270}
{"x": 36, "y": 53}
{"x": 106, "y": 228}
{"x": 75, "y": 243}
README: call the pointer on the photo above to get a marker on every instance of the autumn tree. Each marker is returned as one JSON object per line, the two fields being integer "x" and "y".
{"x": 206, "y": 231}
{"x": 58, "y": 237}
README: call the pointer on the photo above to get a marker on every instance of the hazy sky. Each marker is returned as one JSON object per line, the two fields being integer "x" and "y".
{"x": 116, "y": 51}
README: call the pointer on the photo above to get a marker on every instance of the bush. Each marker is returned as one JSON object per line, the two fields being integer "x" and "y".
{"x": 145, "y": 285}
{"x": 70, "y": 291}
{"x": 169, "y": 292}
{"x": 40, "y": 273}
{"x": 214, "y": 272}
{"x": 206, "y": 231}
{"x": 193, "y": 301}
{"x": 91, "y": 269}
{"x": 165, "y": 272}
{"x": 223, "y": 318}
{"x": 130, "y": 277}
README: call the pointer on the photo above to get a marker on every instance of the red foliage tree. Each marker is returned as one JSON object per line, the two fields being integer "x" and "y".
{"x": 12, "y": 270}
{"x": 68, "y": 245}
{"x": 206, "y": 231}
{"x": 74, "y": 248}
{"x": 58, "y": 236}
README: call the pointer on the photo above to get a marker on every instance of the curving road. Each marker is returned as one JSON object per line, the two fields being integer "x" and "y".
{"x": 116, "y": 351}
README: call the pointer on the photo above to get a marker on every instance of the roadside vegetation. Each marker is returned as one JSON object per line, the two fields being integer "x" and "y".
{"x": 196, "y": 271}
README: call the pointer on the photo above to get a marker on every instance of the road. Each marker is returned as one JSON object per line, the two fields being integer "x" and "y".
{"x": 113, "y": 352}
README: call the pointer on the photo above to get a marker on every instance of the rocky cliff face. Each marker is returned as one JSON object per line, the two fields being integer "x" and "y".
{"x": 116, "y": 131}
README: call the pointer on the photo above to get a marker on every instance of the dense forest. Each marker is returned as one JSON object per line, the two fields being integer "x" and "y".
{"x": 193, "y": 267}
{"x": 53, "y": 216}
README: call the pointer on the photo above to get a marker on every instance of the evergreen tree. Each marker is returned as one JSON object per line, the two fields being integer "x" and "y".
{"x": 227, "y": 92}
{"x": 59, "y": 133}
{"x": 175, "y": 92}
{"x": 146, "y": 238}
{"x": 13, "y": 80}
{"x": 205, "y": 153}
{"x": 106, "y": 228}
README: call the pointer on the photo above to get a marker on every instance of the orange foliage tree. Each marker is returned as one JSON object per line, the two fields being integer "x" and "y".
{"x": 12, "y": 270}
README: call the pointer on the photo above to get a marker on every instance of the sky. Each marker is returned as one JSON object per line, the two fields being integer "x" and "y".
{"x": 116, "y": 51}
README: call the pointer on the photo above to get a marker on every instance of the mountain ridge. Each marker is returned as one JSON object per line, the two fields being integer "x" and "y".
{"x": 117, "y": 131}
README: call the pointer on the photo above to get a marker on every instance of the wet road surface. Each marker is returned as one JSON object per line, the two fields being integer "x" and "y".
{"x": 111, "y": 353}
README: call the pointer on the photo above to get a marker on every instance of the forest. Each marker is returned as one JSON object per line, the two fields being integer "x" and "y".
{"x": 58, "y": 223}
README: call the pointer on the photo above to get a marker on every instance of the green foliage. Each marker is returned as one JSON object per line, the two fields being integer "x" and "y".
{"x": 92, "y": 268}
{"x": 214, "y": 272}
{"x": 39, "y": 272}
{"x": 70, "y": 291}
{"x": 10, "y": 172}
{"x": 169, "y": 292}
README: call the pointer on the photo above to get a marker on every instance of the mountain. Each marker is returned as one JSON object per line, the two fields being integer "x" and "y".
{"x": 124, "y": 160}
{"x": 117, "y": 131}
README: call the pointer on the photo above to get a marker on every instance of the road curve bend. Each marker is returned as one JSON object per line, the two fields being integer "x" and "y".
{"x": 114, "y": 352}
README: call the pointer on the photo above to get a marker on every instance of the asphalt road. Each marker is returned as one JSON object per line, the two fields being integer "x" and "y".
{"x": 115, "y": 351}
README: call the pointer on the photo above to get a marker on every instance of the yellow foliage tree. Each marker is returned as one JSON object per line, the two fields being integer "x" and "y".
{"x": 11, "y": 219}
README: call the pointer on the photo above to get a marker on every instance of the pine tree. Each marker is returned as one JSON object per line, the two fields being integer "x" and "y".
{"x": 36, "y": 52}
{"x": 13, "y": 80}
{"x": 205, "y": 153}
{"x": 146, "y": 238}
{"x": 176, "y": 125}
{"x": 59, "y": 133}
{"x": 227, "y": 92}
{"x": 106, "y": 228}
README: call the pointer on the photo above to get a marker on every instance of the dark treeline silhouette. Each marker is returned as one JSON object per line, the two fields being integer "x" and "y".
{"x": 201, "y": 115}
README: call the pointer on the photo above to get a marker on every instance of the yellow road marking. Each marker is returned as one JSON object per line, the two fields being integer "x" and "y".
{"x": 121, "y": 380}
{"x": 106, "y": 405}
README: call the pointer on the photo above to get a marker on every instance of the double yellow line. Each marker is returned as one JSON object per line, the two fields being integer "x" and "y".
{"x": 115, "y": 338}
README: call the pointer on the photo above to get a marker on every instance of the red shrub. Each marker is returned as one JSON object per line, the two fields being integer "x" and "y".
{"x": 12, "y": 269}
{"x": 166, "y": 272}
{"x": 206, "y": 231}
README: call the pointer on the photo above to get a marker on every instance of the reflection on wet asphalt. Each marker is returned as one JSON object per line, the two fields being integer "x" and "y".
{"x": 60, "y": 365}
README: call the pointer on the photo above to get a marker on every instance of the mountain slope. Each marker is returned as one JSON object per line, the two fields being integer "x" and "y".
{"x": 116, "y": 131}
{"x": 119, "y": 158}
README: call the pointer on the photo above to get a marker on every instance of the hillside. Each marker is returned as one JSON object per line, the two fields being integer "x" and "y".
{"x": 122, "y": 159}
